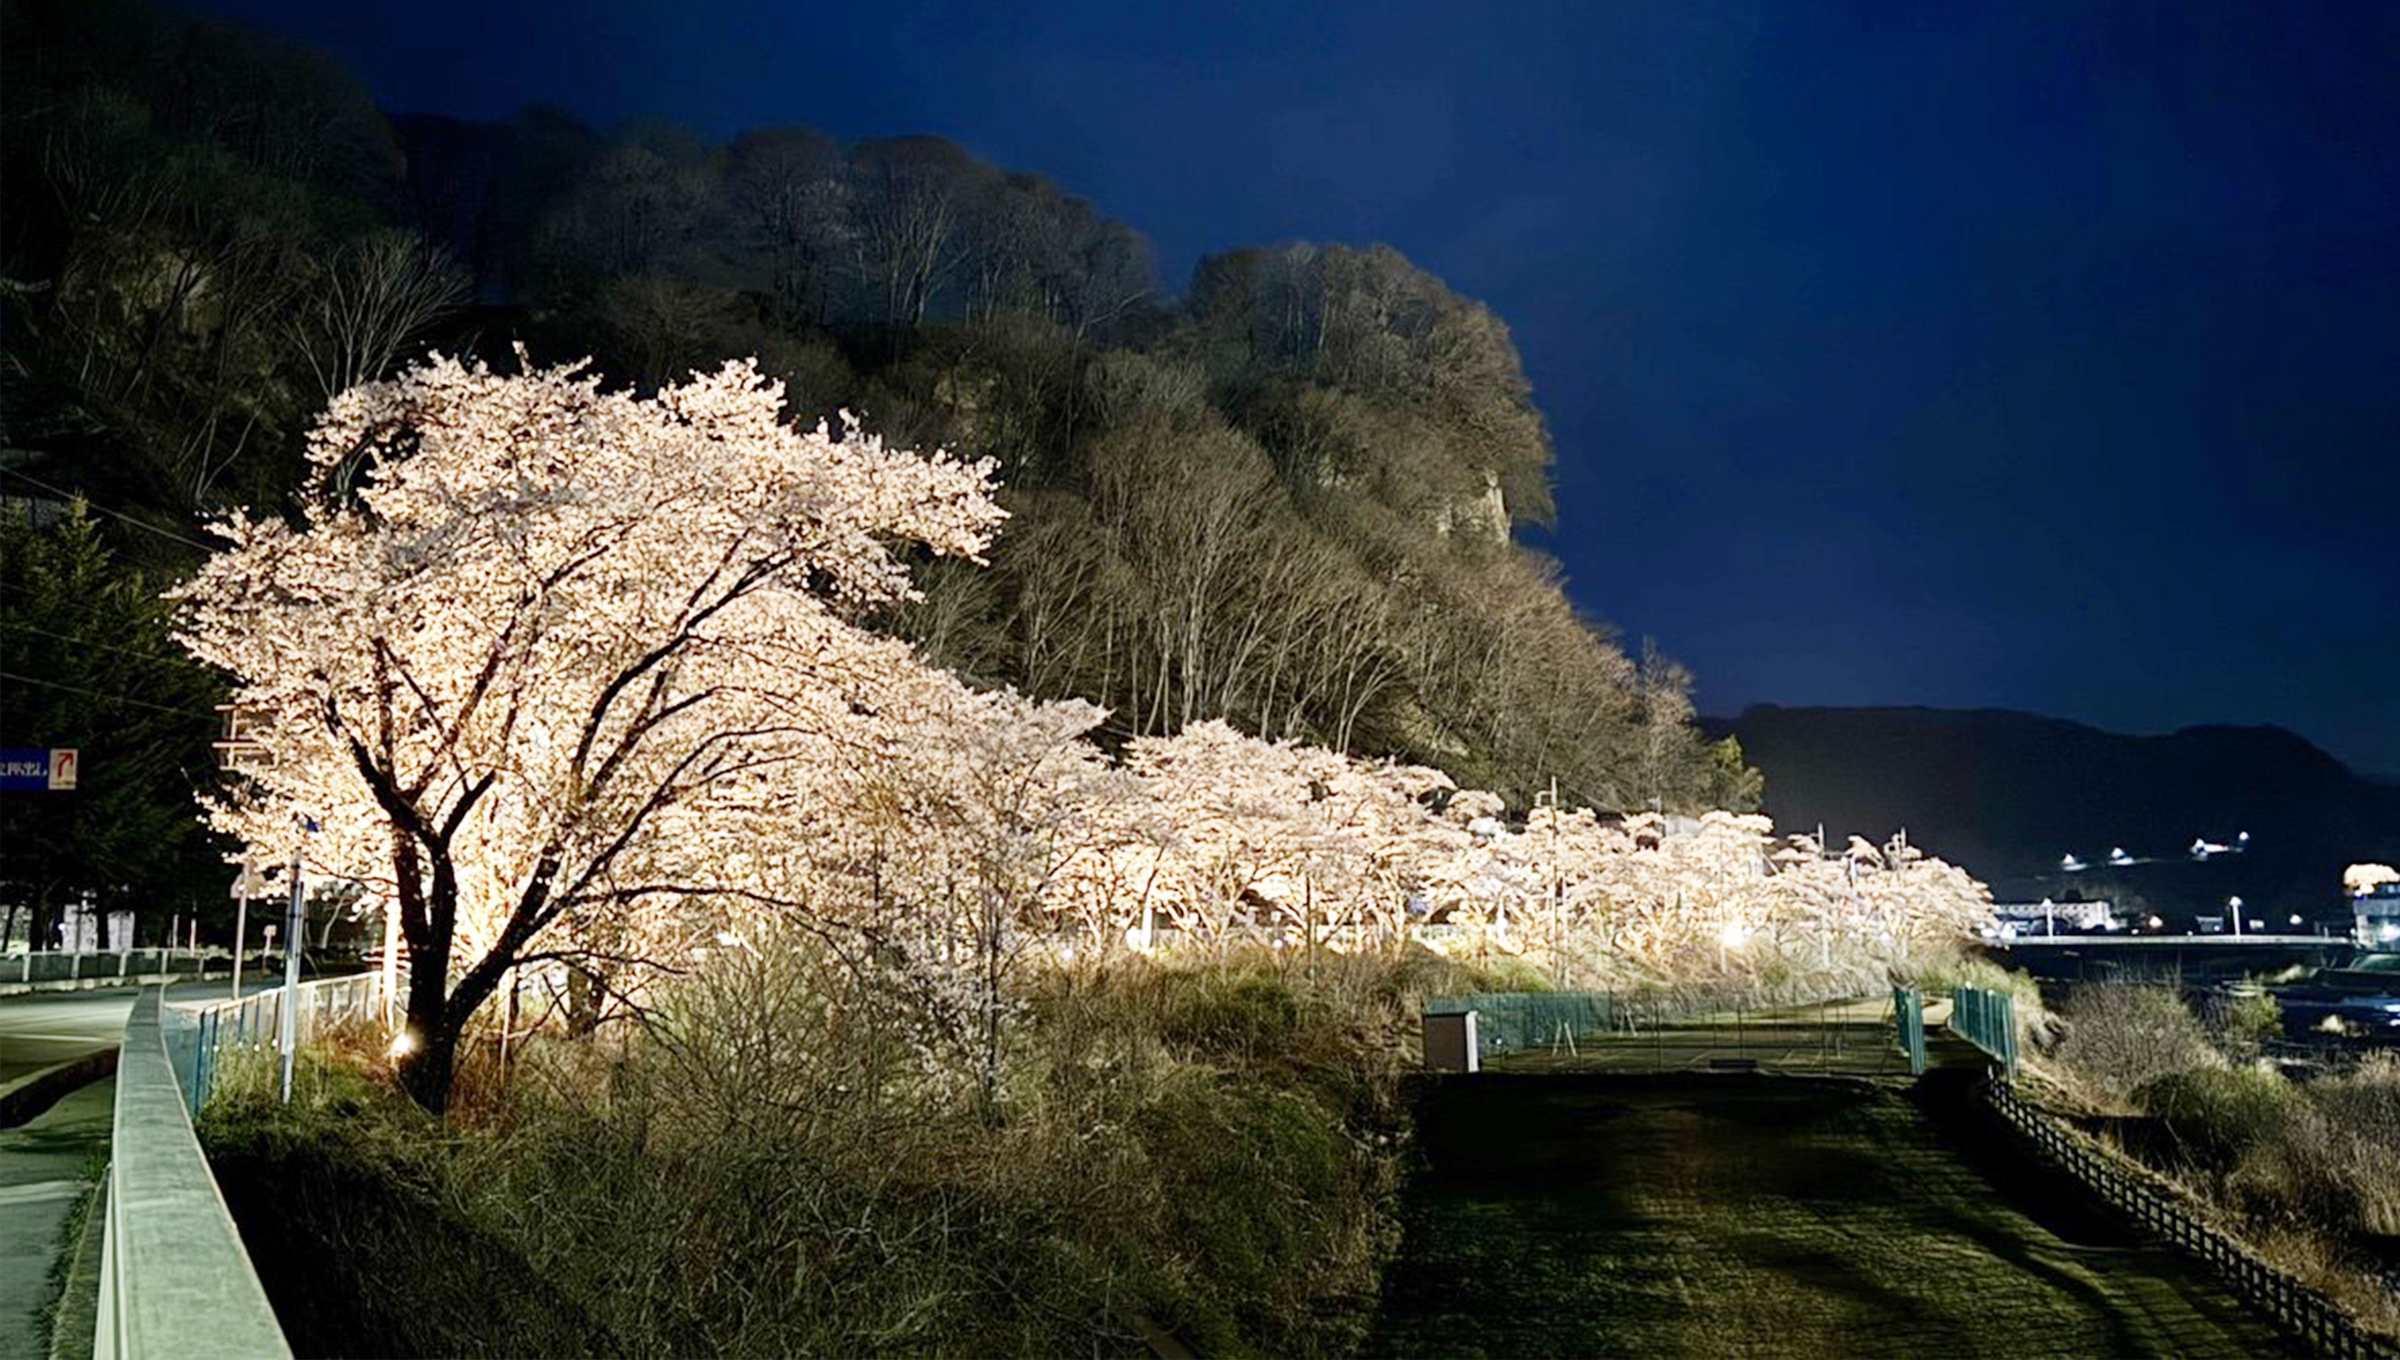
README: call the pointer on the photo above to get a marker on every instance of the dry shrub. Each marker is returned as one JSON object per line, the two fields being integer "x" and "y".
{"x": 2325, "y": 1266}
{"x": 2246, "y": 1020}
{"x": 2125, "y": 1036}
{"x": 2221, "y": 1115}
{"x": 2361, "y": 1109}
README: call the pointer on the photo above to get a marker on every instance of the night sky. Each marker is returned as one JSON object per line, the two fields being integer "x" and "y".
{"x": 2037, "y": 356}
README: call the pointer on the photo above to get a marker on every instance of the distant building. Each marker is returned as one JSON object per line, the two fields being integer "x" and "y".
{"x": 2062, "y": 918}
{"x": 2377, "y": 911}
{"x": 86, "y": 929}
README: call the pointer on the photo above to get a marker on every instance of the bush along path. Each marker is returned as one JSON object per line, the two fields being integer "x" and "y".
{"x": 1186, "y": 1156}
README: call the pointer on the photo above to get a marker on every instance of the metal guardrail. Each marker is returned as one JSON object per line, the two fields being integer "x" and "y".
{"x": 2301, "y": 1310}
{"x": 1525, "y": 1022}
{"x": 174, "y": 1279}
{"x": 48, "y": 965}
{"x": 1513, "y": 1022}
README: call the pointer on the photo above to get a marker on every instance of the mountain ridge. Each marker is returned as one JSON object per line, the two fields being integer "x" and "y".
{"x": 2008, "y": 793}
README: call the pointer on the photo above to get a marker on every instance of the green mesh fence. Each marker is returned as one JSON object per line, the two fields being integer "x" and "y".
{"x": 1908, "y": 1009}
{"x": 1987, "y": 1020}
{"x": 1517, "y": 1022}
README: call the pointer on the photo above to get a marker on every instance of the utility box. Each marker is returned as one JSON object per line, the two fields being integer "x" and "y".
{"x": 1450, "y": 1042}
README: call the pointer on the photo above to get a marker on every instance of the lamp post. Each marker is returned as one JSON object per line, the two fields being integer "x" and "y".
{"x": 1558, "y": 894}
{"x": 2234, "y": 905}
{"x": 1733, "y": 937}
{"x": 241, "y": 923}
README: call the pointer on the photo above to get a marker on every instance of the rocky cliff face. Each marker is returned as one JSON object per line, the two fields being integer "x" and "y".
{"x": 1483, "y": 517}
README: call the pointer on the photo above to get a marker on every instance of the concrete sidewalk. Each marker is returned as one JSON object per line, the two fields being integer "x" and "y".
{"x": 46, "y": 1168}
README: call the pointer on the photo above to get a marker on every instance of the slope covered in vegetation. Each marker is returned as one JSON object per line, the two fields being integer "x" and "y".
{"x": 1284, "y": 498}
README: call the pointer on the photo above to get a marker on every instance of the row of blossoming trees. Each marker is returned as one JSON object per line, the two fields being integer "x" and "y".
{"x": 572, "y": 675}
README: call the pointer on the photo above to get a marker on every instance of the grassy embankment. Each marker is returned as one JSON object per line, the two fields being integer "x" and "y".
{"x": 1732, "y": 1215}
{"x": 782, "y": 1167}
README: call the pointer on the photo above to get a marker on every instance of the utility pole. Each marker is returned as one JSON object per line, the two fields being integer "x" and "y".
{"x": 238, "y": 750}
{"x": 295, "y": 935}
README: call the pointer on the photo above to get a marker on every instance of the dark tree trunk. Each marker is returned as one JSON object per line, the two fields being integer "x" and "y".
{"x": 426, "y": 1073}
{"x": 583, "y": 1003}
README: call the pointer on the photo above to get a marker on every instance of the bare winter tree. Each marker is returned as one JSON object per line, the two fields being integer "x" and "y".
{"x": 913, "y": 197}
{"x": 791, "y": 209}
{"x": 378, "y": 293}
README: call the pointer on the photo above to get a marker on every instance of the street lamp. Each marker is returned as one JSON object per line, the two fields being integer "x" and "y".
{"x": 2234, "y": 905}
{"x": 1733, "y": 936}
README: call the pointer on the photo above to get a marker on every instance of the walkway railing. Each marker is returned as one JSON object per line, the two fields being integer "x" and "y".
{"x": 1908, "y": 1013}
{"x": 200, "y": 1036}
{"x": 1987, "y": 1020}
{"x": 174, "y": 1279}
{"x": 2308, "y": 1314}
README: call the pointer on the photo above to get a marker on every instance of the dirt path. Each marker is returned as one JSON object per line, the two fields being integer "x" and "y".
{"x": 1733, "y": 1215}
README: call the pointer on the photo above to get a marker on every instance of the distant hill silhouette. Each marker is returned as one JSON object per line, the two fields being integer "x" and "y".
{"x": 2007, "y": 794}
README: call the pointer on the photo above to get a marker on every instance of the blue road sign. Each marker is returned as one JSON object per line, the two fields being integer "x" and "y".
{"x": 39, "y": 769}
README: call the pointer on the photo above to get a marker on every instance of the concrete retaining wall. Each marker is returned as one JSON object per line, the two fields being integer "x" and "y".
{"x": 174, "y": 1278}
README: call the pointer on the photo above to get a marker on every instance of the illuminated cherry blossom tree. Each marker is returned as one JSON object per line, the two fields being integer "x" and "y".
{"x": 538, "y": 653}
{"x": 577, "y": 676}
{"x": 2360, "y": 879}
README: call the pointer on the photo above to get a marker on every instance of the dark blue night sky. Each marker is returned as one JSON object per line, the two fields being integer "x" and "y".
{"x": 2038, "y": 356}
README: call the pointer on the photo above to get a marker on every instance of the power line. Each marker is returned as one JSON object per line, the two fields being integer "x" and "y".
{"x": 112, "y": 514}
{"x": 112, "y": 698}
{"x": 86, "y": 642}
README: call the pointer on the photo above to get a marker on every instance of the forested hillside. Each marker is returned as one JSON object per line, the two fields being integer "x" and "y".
{"x": 1283, "y": 498}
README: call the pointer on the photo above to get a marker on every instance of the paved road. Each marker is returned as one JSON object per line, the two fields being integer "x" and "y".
{"x": 41, "y": 1028}
{"x": 47, "y": 1163}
